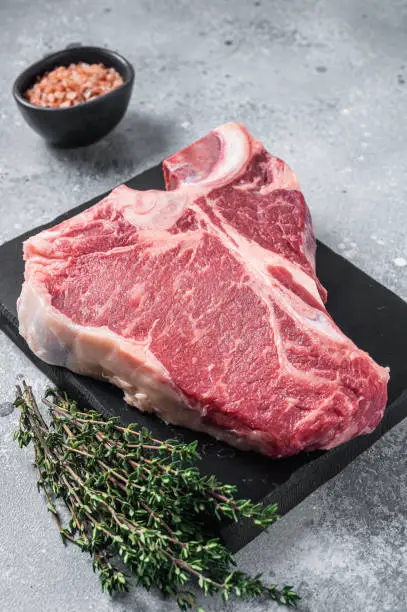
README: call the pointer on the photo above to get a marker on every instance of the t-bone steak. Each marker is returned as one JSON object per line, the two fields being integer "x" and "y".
{"x": 202, "y": 304}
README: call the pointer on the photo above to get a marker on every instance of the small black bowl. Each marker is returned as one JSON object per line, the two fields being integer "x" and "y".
{"x": 87, "y": 122}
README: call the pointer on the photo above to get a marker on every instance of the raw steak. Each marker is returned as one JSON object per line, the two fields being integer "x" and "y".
{"x": 203, "y": 305}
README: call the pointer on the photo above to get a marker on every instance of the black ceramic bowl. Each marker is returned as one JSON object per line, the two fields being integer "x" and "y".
{"x": 87, "y": 122}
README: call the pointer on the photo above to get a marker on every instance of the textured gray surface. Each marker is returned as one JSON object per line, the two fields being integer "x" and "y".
{"x": 322, "y": 83}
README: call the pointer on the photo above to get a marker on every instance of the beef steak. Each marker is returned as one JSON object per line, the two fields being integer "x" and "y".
{"x": 202, "y": 304}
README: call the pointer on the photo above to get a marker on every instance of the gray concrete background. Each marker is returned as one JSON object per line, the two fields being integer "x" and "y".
{"x": 323, "y": 84}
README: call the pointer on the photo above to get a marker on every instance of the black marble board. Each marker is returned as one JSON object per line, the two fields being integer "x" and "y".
{"x": 375, "y": 318}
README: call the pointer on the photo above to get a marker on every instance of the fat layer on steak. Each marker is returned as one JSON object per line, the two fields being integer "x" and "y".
{"x": 202, "y": 304}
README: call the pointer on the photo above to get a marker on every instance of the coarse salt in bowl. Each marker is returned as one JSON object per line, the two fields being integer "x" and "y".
{"x": 69, "y": 115}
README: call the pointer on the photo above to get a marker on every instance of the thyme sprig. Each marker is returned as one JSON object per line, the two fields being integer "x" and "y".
{"x": 138, "y": 502}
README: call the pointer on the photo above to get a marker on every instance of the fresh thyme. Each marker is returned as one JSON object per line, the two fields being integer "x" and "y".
{"x": 138, "y": 502}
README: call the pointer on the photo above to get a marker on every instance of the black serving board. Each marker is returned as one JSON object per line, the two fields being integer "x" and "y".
{"x": 375, "y": 318}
